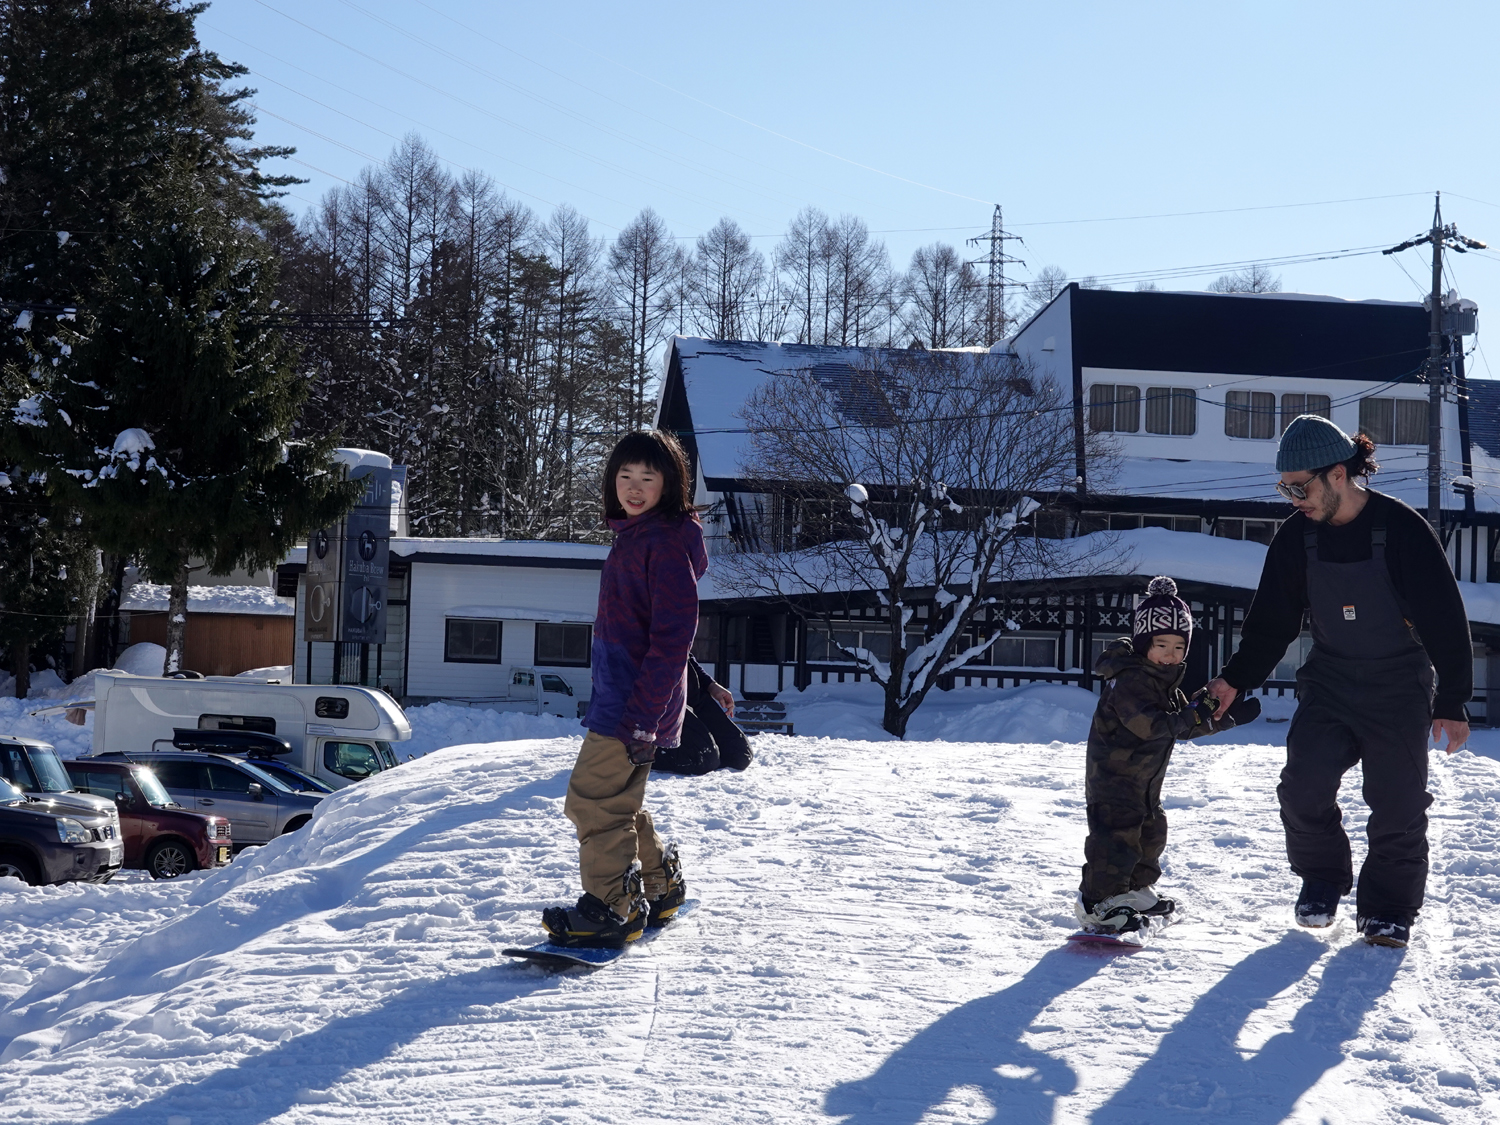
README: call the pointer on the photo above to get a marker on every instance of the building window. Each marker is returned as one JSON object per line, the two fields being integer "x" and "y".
{"x": 471, "y": 641}
{"x": 1250, "y": 414}
{"x": 1294, "y": 405}
{"x": 1128, "y": 521}
{"x": 1255, "y": 531}
{"x": 1022, "y": 652}
{"x": 1114, "y": 409}
{"x": 1394, "y": 421}
{"x": 1171, "y": 410}
{"x": 822, "y": 647}
{"x": 564, "y": 645}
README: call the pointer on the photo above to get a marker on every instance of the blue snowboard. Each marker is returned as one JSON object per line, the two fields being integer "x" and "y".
{"x": 559, "y": 958}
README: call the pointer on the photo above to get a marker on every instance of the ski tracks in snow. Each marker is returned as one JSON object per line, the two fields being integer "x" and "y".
{"x": 878, "y": 941}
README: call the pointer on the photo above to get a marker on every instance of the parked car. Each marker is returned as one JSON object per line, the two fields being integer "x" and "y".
{"x": 34, "y": 768}
{"x": 257, "y": 805}
{"x": 160, "y": 835}
{"x": 40, "y": 843}
{"x": 293, "y": 778}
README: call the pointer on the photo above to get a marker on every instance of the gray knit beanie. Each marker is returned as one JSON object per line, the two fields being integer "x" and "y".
{"x": 1311, "y": 443}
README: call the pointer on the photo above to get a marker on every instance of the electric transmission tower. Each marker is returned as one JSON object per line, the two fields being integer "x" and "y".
{"x": 996, "y": 318}
{"x": 1447, "y": 319}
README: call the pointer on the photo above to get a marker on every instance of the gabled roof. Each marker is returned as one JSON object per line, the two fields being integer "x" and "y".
{"x": 709, "y": 381}
{"x": 1287, "y": 334}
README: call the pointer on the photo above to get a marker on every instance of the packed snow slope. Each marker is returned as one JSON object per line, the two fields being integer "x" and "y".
{"x": 878, "y": 939}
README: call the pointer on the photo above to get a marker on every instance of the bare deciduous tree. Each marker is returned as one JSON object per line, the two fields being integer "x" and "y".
{"x": 944, "y": 298}
{"x": 645, "y": 263}
{"x": 724, "y": 280}
{"x": 919, "y": 476}
{"x": 1255, "y": 278}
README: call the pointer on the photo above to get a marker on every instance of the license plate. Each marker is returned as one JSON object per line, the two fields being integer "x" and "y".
{"x": 116, "y": 854}
{"x": 223, "y": 855}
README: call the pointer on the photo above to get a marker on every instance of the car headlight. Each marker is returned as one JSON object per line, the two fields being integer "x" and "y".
{"x": 69, "y": 831}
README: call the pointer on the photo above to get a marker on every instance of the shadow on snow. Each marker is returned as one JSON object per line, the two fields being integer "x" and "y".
{"x": 1196, "y": 1073}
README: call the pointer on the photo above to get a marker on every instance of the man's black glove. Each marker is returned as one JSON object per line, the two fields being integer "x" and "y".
{"x": 640, "y": 753}
{"x": 1245, "y": 709}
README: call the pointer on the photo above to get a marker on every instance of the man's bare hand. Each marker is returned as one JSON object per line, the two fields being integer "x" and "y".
{"x": 721, "y": 695}
{"x": 1457, "y": 732}
{"x": 1219, "y": 689}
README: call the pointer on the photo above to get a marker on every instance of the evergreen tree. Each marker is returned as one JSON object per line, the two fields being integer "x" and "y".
{"x": 165, "y": 413}
{"x": 38, "y": 551}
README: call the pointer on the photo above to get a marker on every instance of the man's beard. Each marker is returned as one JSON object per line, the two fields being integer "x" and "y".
{"x": 1328, "y": 507}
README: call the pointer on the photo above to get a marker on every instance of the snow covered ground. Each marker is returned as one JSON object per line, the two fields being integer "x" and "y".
{"x": 878, "y": 940}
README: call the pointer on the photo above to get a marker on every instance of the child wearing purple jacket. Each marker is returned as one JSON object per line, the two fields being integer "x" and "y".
{"x": 648, "y": 615}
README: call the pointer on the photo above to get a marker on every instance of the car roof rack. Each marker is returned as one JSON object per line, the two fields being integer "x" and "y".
{"x": 253, "y": 743}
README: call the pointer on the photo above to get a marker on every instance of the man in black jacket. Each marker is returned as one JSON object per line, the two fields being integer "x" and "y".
{"x": 1391, "y": 655}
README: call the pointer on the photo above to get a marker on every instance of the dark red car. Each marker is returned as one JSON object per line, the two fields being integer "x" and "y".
{"x": 161, "y": 836}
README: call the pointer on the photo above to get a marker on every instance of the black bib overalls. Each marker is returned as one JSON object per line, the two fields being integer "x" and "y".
{"x": 1364, "y": 695}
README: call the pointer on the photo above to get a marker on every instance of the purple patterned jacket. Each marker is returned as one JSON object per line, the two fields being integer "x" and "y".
{"x": 648, "y": 615}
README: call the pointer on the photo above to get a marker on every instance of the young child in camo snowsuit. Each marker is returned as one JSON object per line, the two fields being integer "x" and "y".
{"x": 1142, "y": 713}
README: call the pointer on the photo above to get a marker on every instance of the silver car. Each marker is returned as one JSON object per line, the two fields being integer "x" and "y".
{"x": 259, "y": 806}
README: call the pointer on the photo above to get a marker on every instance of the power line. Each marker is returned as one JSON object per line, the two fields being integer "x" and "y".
{"x": 607, "y": 165}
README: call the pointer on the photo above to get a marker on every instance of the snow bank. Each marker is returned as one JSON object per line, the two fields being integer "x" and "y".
{"x": 143, "y": 659}
{"x": 282, "y": 672}
{"x": 1029, "y": 713}
{"x": 437, "y": 725}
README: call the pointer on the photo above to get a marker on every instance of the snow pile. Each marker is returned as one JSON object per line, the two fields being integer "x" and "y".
{"x": 282, "y": 672}
{"x": 143, "y": 659}
{"x": 877, "y": 938}
{"x": 148, "y": 597}
{"x": 1029, "y": 713}
{"x": 436, "y": 725}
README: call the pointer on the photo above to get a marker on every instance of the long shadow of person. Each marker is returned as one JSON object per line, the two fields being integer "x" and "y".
{"x": 303, "y": 1068}
{"x": 1197, "y": 1071}
{"x": 967, "y": 1046}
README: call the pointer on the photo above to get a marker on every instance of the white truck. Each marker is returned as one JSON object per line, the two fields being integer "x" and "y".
{"x": 528, "y": 691}
{"x": 339, "y": 733}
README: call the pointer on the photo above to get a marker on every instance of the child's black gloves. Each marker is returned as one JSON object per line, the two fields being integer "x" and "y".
{"x": 640, "y": 753}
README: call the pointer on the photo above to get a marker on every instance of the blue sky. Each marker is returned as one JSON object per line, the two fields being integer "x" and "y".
{"x": 918, "y": 118}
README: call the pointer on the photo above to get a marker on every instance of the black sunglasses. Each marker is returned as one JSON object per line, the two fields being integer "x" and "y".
{"x": 1297, "y": 491}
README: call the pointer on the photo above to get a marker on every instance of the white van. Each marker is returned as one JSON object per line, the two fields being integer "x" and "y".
{"x": 339, "y": 733}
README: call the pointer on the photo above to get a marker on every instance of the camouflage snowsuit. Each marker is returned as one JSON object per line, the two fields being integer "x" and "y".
{"x": 1142, "y": 712}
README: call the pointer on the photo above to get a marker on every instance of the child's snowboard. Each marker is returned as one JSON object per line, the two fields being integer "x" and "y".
{"x": 559, "y": 958}
{"x": 1130, "y": 941}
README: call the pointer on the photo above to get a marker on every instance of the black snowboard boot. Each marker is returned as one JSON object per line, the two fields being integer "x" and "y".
{"x": 664, "y": 908}
{"x": 1318, "y": 904}
{"x": 592, "y": 924}
{"x": 1391, "y": 932}
{"x": 1163, "y": 907}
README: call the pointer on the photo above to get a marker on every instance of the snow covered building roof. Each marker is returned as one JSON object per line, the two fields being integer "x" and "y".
{"x": 258, "y": 601}
{"x": 708, "y": 383}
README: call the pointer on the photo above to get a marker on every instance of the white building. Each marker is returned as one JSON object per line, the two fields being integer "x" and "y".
{"x": 1193, "y": 390}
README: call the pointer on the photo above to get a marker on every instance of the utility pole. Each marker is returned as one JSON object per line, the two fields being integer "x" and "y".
{"x": 994, "y": 313}
{"x": 1435, "y": 371}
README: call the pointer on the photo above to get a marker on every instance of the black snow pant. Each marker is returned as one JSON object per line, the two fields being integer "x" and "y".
{"x": 1127, "y": 825}
{"x": 710, "y": 741}
{"x": 1379, "y": 713}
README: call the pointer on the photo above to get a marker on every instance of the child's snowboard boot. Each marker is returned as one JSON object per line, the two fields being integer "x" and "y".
{"x": 1114, "y": 915}
{"x": 664, "y": 908}
{"x": 592, "y": 924}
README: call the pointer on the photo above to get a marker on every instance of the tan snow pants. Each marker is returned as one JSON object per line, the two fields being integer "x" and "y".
{"x": 605, "y": 795}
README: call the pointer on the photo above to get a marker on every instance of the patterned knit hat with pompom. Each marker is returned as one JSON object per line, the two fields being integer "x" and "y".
{"x": 1161, "y": 612}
